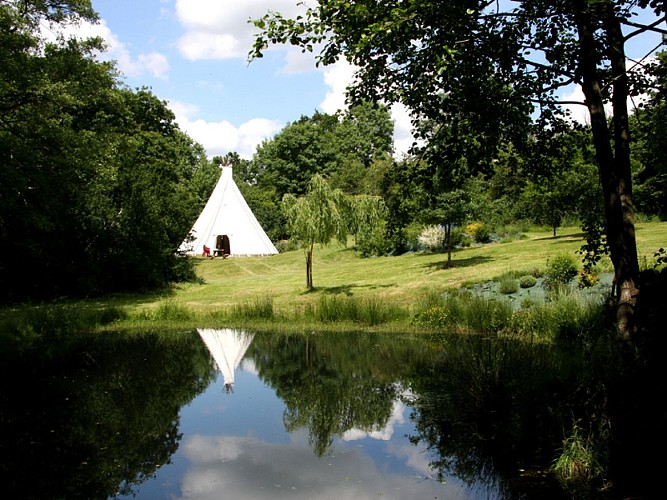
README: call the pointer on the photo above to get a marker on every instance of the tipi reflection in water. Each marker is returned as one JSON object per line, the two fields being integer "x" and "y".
{"x": 227, "y": 346}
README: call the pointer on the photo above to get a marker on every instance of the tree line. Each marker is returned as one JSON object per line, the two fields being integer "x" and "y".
{"x": 479, "y": 75}
{"x": 548, "y": 179}
{"x": 98, "y": 185}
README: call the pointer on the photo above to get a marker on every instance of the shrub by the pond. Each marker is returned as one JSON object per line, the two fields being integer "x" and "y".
{"x": 371, "y": 311}
{"x": 261, "y": 308}
{"x": 560, "y": 271}
{"x": 169, "y": 310}
{"x": 578, "y": 464}
{"x": 507, "y": 286}
{"x": 463, "y": 311}
{"x": 527, "y": 281}
{"x": 588, "y": 277}
{"x": 57, "y": 320}
{"x": 565, "y": 317}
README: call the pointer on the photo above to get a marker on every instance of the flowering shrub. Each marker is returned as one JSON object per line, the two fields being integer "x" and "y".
{"x": 588, "y": 278}
{"x": 432, "y": 238}
{"x": 560, "y": 271}
{"x": 479, "y": 232}
{"x": 433, "y": 317}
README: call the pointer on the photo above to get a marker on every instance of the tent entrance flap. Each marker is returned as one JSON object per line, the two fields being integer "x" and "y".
{"x": 222, "y": 246}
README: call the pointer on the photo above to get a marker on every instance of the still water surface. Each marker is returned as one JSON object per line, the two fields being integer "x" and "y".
{"x": 236, "y": 445}
{"x": 228, "y": 414}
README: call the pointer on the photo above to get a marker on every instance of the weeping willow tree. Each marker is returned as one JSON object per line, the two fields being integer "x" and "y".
{"x": 367, "y": 223}
{"x": 315, "y": 218}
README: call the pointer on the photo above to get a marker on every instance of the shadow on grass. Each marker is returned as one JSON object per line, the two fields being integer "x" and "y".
{"x": 345, "y": 289}
{"x": 562, "y": 237}
{"x": 132, "y": 298}
{"x": 443, "y": 264}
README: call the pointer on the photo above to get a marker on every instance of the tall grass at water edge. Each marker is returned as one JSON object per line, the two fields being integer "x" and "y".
{"x": 327, "y": 309}
{"x": 26, "y": 324}
{"x": 393, "y": 290}
{"x": 368, "y": 310}
{"x": 564, "y": 316}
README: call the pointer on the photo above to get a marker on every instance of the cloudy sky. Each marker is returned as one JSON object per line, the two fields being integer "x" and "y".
{"x": 193, "y": 54}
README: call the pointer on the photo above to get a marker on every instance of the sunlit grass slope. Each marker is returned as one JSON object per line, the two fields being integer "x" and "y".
{"x": 403, "y": 279}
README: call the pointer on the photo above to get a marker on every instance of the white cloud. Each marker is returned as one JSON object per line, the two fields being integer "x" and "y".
{"x": 153, "y": 63}
{"x": 403, "y": 137}
{"x": 219, "y": 138}
{"x": 381, "y": 434}
{"x": 297, "y": 61}
{"x": 337, "y": 77}
{"x": 248, "y": 467}
{"x": 199, "y": 45}
{"x": 219, "y": 29}
{"x": 253, "y": 132}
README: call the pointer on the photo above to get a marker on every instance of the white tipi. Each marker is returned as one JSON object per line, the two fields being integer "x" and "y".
{"x": 227, "y": 347}
{"x": 227, "y": 226}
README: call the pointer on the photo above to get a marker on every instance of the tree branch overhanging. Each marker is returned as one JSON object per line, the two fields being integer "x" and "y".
{"x": 643, "y": 28}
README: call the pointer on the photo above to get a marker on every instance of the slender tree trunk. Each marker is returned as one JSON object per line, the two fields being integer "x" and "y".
{"x": 309, "y": 268}
{"x": 613, "y": 165}
{"x": 448, "y": 239}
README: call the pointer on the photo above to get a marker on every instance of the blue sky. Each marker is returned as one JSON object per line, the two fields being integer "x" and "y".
{"x": 193, "y": 54}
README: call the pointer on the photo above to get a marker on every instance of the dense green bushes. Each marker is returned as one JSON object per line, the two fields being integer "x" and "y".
{"x": 560, "y": 271}
{"x": 98, "y": 186}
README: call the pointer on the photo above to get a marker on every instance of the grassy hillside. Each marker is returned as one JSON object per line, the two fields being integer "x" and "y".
{"x": 403, "y": 279}
{"x": 400, "y": 286}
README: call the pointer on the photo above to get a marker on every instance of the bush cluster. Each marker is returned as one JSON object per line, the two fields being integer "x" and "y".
{"x": 508, "y": 285}
{"x": 432, "y": 238}
{"x": 527, "y": 281}
{"x": 560, "y": 271}
{"x": 462, "y": 311}
{"x": 479, "y": 232}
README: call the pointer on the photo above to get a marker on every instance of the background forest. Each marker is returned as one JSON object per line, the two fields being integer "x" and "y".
{"x": 99, "y": 186}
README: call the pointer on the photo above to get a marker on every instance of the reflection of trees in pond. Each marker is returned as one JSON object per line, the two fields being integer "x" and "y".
{"x": 490, "y": 408}
{"x": 332, "y": 383}
{"x": 96, "y": 415}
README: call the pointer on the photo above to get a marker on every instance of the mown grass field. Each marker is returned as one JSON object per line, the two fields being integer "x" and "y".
{"x": 405, "y": 281}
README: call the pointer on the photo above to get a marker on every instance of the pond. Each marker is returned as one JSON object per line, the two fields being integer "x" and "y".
{"x": 230, "y": 414}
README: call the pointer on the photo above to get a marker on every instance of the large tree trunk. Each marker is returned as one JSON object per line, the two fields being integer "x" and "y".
{"x": 613, "y": 165}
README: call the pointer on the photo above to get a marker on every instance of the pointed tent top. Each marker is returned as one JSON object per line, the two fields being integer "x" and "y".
{"x": 227, "y": 347}
{"x": 227, "y": 214}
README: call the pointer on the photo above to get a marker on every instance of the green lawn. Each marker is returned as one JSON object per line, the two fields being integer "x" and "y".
{"x": 403, "y": 279}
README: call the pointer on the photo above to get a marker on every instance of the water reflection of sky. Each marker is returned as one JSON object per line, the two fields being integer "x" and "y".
{"x": 235, "y": 446}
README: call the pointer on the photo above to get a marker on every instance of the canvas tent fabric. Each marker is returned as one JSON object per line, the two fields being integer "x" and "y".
{"x": 227, "y": 226}
{"x": 227, "y": 347}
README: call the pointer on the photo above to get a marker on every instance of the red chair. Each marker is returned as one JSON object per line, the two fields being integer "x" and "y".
{"x": 207, "y": 252}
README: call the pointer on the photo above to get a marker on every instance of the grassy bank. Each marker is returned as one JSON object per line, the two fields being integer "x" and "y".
{"x": 382, "y": 293}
